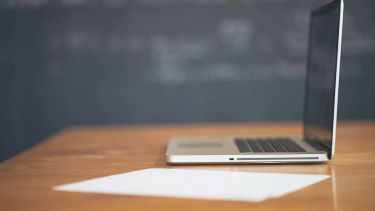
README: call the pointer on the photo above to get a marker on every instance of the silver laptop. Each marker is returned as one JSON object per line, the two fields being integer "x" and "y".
{"x": 317, "y": 143}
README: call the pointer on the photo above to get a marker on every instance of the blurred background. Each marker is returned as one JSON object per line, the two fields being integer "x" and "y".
{"x": 97, "y": 62}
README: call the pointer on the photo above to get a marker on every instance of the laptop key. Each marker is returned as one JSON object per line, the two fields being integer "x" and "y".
{"x": 241, "y": 145}
{"x": 290, "y": 145}
{"x": 300, "y": 149}
{"x": 265, "y": 145}
{"x": 277, "y": 145}
{"x": 255, "y": 147}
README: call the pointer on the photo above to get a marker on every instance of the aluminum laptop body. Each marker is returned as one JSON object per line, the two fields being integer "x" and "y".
{"x": 317, "y": 143}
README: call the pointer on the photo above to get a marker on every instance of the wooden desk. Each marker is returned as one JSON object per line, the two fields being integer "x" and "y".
{"x": 87, "y": 152}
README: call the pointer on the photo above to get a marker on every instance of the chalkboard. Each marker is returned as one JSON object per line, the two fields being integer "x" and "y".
{"x": 73, "y": 62}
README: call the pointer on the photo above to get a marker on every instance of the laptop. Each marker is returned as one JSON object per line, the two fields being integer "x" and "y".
{"x": 317, "y": 143}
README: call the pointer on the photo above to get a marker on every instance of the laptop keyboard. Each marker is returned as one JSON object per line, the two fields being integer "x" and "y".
{"x": 259, "y": 145}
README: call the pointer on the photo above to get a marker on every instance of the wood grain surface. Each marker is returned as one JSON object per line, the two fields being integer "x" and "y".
{"x": 81, "y": 153}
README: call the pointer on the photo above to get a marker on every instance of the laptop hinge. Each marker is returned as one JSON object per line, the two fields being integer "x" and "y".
{"x": 319, "y": 145}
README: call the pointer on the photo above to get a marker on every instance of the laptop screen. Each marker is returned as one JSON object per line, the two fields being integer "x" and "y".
{"x": 319, "y": 116}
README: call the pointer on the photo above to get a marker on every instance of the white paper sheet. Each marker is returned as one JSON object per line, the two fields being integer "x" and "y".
{"x": 197, "y": 184}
